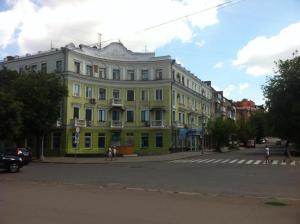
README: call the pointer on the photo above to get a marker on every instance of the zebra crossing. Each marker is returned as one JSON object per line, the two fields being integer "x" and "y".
{"x": 239, "y": 161}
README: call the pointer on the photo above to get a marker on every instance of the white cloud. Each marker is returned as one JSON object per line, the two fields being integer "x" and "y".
{"x": 258, "y": 56}
{"x": 243, "y": 86}
{"x": 63, "y": 21}
{"x": 238, "y": 89}
{"x": 218, "y": 65}
{"x": 229, "y": 90}
{"x": 200, "y": 43}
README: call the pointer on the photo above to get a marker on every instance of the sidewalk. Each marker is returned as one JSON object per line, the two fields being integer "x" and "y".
{"x": 127, "y": 159}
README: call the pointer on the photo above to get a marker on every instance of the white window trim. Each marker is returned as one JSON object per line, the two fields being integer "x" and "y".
{"x": 105, "y": 115}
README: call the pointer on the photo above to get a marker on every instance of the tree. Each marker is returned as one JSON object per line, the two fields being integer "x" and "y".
{"x": 245, "y": 130}
{"x": 282, "y": 93}
{"x": 221, "y": 131}
{"x": 41, "y": 95}
{"x": 258, "y": 121}
{"x": 10, "y": 108}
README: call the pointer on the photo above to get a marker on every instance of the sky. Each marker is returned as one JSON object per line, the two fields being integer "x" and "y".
{"x": 231, "y": 43}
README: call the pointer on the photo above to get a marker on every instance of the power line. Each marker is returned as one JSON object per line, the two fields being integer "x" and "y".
{"x": 220, "y": 6}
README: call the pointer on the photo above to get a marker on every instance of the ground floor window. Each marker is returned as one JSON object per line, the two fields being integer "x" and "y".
{"x": 56, "y": 141}
{"x": 158, "y": 140}
{"x": 87, "y": 140}
{"x": 145, "y": 140}
{"x": 101, "y": 140}
{"x": 129, "y": 139}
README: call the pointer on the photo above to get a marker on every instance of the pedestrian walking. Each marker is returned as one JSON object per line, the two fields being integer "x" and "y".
{"x": 110, "y": 153}
{"x": 115, "y": 152}
{"x": 267, "y": 153}
{"x": 287, "y": 152}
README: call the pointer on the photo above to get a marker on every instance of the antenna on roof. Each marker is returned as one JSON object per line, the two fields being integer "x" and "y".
{"x": 99, "y": 40}
{"x": 51, "y": 47}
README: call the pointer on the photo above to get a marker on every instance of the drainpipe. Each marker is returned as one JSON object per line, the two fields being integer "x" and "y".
{"x": 172, "y": 63}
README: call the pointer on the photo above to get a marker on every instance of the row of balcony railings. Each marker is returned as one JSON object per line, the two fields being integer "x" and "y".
{"x": 113, "y": 124}
{"x": 120, "y": 124}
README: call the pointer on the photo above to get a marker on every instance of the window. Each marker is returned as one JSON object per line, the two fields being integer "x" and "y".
{"x": 102, "y": 73}
{"x": 129, "y": 139}
{"x": 102, "y": 94}
{"x": 173, "y": 98}
{"x": 130, "y": 95}
{"x": 76, "y": 112}
{"x": 144, "y": 115}
{"x": 188, "y": 83}
{"x": 116, "y": 74}
{"x": 158, "y": 74}
{"x": 182, "y": 80}
{"x": 158, "y": 140}
{"x": 180, "y": 117}
{"x": 34, "y": 68}
{"x": 116, "y": 115}
{"x": 144, "y": 140}
{"x": 56, "y": 139}
{"x": 158, "y": 94}
{"x": 44, "y": 68}
{"x": 158, "y": 115}
{"x": 144, "y": 95}
{"x": 101, "y": 140}
{"x": 102, "y": 115}
{"x": 88, "y": 114}
{"x": 130, "y": 74}
{"x": 77, "y": 67}
{"x": 58, "y": 66}
{"x": 89, "y": 70}
{"x": 87, "y": 140}
{"x": 88, "y": 92}
{"x": 96, "y": 69}
{"x": 145, "y": 75}
{"x": 116, "y": 93}
{"x": 173, "y": 115}
{"x": 129, "y": 115}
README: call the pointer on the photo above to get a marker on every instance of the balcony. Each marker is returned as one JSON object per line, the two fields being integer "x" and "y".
{"x": 116, "y": 124}
{"x": 116, "y": 102}
{"x": 157, "y": 124}
{"x": 89, "y": 123}
{"x": 78, "y": 123}
{"x": 177, "y": 124}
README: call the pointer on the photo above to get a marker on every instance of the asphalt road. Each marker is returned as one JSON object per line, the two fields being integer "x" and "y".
{"x": 199, "y": 190}
{"x": 205, "y": 178}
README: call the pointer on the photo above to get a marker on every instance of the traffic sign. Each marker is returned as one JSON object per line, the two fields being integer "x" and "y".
{"x": 77, "y": 129}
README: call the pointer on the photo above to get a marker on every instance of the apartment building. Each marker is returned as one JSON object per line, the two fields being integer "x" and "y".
{"x": 121, "y": 98}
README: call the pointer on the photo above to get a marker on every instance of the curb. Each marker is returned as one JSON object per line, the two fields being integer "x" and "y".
{"x": 120, "y": 162}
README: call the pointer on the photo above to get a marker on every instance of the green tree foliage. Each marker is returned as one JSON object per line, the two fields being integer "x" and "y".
{"x": 29, "y": 103}
{"x": 10, "y": 108}
{"x": 245, "y": 130}
{"x": 221, "y": 131}
{"x": 282, "y": 93}
{"x": 258, "y": 122}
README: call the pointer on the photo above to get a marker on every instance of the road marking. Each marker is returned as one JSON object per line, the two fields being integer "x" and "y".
{"x": 283, "y": 163}
{"x": 275, "y": 162}
{"x": 201, "y": 160}
{"x": 208, "y": 161}
{"x": 257, "y": 162}
{"x": 241, "y": 161}
{"x": 249, "y": 161}
{"x": 293, "y": 163}
{"x": 226, "y": 160}
{"x": 217, "y": 161}
{"x": 233, "y": 161}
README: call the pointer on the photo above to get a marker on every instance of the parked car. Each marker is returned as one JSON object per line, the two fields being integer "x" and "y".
{"x": 23, "y": 153}
{"x": 251, "y": 143}
{"x": 10, "y": 163}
